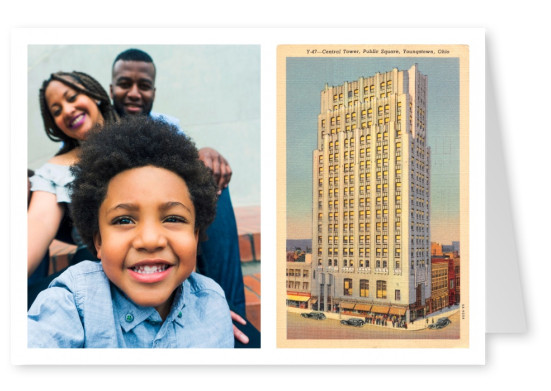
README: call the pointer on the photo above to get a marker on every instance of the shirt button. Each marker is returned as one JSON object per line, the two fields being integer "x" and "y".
{"x": 180, "y": 314}
{"x": 129, "y": 318}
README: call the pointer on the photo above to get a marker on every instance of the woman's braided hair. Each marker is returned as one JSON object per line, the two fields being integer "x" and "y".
{"x": 85, "y": 84}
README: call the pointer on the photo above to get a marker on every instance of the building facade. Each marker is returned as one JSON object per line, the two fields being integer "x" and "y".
{"x": 454, "y": 267}
{"x": 440, "y": 283}
{"x": 436, "y": 249}
{"x": 457, "y": 268}
{"x": 371, "y": 197}
{"x": 445, "y": 281}
{"x": 299, "y": 280}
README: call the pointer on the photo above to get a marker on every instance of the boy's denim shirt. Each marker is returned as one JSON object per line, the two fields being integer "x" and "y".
{"x": 82, "y": 309}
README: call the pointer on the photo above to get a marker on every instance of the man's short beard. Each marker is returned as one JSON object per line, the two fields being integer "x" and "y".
{"x": 120, "y": 111}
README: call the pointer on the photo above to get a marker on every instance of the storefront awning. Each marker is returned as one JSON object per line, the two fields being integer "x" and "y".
{"x": 380, "y": 309}
{"x": 363, "y": 307}
{"x": 347, "y": 306}
{"x": 298, "y": 298}
{"x": 397, "y": 311}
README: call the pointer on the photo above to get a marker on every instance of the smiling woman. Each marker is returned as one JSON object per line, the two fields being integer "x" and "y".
{"x": 72, "y": 104}
{"x": 85, "y": 88}
{"x": 74, "y": 113}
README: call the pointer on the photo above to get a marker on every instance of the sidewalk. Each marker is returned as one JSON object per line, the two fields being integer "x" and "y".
{"x": 418, "y": 324}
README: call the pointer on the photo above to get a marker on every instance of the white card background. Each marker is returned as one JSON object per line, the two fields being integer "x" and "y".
{"x": 512, "y": 49}
{"x": 268, "y": 39}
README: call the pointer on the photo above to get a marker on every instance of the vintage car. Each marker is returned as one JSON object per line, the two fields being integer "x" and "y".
{"x": 353, "y": 322}
{"x": 313, "y": 315}
{"x": 440, "y": 323}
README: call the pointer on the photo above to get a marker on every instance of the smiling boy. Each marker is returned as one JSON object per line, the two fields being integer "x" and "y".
{"x": 142, "y": 205}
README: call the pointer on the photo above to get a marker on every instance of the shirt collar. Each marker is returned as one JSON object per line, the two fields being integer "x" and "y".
{"x": 130, "y": 314}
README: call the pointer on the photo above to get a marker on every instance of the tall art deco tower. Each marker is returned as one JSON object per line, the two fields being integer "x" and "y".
{"x": 371, "y": 197}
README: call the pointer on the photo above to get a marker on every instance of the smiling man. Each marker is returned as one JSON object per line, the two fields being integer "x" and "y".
{"x": 133, "y": 86}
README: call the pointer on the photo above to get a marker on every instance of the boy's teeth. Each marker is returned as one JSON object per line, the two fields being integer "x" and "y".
{"x": 150, "y": 269}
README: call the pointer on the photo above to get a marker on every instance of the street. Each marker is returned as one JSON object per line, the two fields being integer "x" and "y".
{"x": 302, "y": 328}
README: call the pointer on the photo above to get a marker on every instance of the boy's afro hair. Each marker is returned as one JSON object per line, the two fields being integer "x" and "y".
{"x": 136, "y": 141}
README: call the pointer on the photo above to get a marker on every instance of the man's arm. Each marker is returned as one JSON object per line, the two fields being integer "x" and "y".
{"x": 209, "y": 156}
{"x": 218, "y": 165}
{"x": 238, "y": 334}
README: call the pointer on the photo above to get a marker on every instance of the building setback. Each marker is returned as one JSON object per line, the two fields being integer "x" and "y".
{"x": 371, "y": 197}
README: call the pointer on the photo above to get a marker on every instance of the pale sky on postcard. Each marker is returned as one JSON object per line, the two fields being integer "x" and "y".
{"x": 306, "y": 78}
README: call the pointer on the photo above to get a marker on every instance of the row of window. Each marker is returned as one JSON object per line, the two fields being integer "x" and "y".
{"x": 334, "y": 228}
{"x": 381, "y": 163}
{"x": 364, "y": 125}
{"x": 367, "y": 125}
{"x": 349, "y": 141}
{"x": 364, "y": 227}
{"x": 354, "y": 100}
{"x": 362, "y": 263}
{"x": 367, "y": 89}
{"x": 439, "y": 283}
{"x": 379, "y": 213}
{"x": 367, "y": 201}
{"x": 381, "y": 136}
{"x": 368, "y": 112}
{"x": 381, "y": 183}
{"x": 297, "y": 273}
{"x": 366, "y": 263}
{"x": 362, "y": 213}
{"x": 381, "y": 171}
{"x": 349, "y": 252}
{"x": 298, "y": 285}
{"x": 379, "y": 238}
{"x": 363, "y": 291}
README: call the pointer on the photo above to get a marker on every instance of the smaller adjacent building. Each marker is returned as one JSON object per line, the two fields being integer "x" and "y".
{"x": 453, "y": 276}
{"x": 299, "y": 279}
{"x": 457, "y": 267}
{"x": 445, "y": 289}
{"x": 439, "y": 290}
{"x": 436, "y": 249}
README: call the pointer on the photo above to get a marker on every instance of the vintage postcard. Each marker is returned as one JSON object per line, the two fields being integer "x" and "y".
{"x": 373, "y": 245}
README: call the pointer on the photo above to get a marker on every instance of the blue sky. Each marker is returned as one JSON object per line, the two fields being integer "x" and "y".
{"x": 306, "y": 78}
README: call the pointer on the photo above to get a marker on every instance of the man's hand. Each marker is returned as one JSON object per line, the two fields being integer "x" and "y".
{"x": 218, "y": 165}
{"x": 238, "y": 334}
